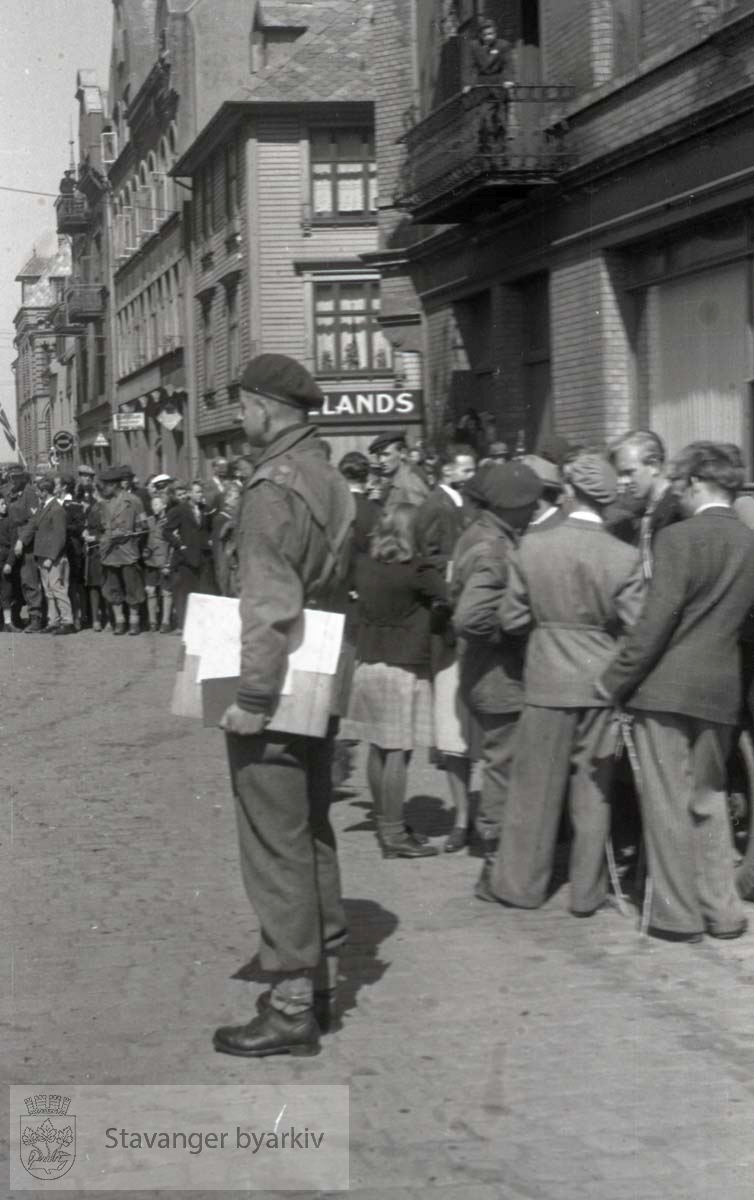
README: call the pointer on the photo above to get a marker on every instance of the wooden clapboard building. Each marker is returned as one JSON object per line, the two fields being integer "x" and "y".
{"x": 284, "y": 185}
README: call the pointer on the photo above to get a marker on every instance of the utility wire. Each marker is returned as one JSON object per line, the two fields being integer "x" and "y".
{"x": 165, "y": 212}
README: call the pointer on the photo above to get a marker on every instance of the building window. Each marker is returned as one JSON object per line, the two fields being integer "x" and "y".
{"x": 231, "y": 180}
{"x": 347, "y": 337}
{"x": 208, "y": 343}
{"x": 234, "y": 338}
{"x": 343, "y": 174}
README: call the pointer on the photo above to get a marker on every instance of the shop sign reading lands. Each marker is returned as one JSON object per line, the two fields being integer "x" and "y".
{"x": 371, "y": 405}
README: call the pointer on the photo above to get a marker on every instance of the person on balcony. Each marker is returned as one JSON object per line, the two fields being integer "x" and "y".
{"x": 67, "y": 185}
{"x": 491, "y": 55}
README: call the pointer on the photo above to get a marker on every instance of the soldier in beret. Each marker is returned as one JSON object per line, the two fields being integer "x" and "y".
{"x": 402, "y": 483}
{"x": 124, "y": 522}
{"x": 294, "y": 529}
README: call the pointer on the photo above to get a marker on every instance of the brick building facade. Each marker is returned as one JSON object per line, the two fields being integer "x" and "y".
{"x": 584, "y": 263}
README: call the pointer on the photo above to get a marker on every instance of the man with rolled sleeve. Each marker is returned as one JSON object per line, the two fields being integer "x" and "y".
{"x": 679, "y": 675}
{"x": 294, "y": 528}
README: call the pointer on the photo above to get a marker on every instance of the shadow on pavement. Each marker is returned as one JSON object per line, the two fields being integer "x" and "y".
{"x": 369, "y": 925}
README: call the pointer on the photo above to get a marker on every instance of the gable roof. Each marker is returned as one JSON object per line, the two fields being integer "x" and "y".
{"x": 331, "y": 61}
{"x": 33, "y": 268}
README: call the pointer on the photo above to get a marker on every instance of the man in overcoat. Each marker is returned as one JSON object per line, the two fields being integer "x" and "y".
{"x": 678, "y": 673}
{"x": 294, "y": 528}
{"x": 572, "y": 588}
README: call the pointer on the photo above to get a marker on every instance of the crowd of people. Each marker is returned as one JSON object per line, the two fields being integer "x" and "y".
{"x": 101, "y": 551}
{"x": 528, "y": 613}
{"x": 511, "y": 612}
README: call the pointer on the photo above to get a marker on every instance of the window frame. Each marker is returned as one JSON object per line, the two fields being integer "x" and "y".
{"x": 367, "y": 216}
{"x": 372, "y": 289}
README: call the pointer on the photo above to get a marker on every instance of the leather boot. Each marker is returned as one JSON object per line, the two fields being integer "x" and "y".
{"x": 325, "y": 1010}
{"x": 35, "y": 624}
{"x": 271, "y": 1032}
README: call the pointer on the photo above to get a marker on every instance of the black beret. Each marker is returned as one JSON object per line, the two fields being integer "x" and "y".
{"x": 504, "y": 485}
{"x": 387, "y": 439}
{"x": 116, "y": 474}
{"x": 279, "y": 377}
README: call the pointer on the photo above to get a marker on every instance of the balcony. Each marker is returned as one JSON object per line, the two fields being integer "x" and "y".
{"x": 84, "y": 302}
{"x": 483, "y": 146}
{"x": 73, "y": 214}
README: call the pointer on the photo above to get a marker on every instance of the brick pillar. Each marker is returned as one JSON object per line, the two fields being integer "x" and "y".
{"x": 592, "y": 361}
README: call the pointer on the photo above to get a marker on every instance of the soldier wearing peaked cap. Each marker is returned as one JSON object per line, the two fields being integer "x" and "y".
{"x": 294, "y": 527}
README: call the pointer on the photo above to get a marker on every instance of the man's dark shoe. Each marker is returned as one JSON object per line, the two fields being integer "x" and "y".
{"x": 34, "y": 626}
{"x": 50, "y": 628}
{"x": 64, "y": 629}
{"x": 271, "y": 1032}
{"x": 674, "y": 935}
{"x": 324, "y": 1009}
{"x": 405, "y": 846}
{"x": 119, "y": 628}
{"x": 421, "y": 839}
{"x": 728, "y": 934}
{"x": 134, "y": 630}
{"x": 456, "y": 840}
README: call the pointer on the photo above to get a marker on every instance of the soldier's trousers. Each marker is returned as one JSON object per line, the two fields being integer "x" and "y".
{"x": 684, "y": 807}
{"x": 557, "y": 751}
{"x": 289, "y": 862}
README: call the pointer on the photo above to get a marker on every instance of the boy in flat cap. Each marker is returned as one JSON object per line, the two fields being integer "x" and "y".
{"x": 573, "y": 589}
{"x": 403, "y": 485}
{"x": 505, "y": 496}
{"x": 124, "y": 523}
{"x": 294, "y": 529}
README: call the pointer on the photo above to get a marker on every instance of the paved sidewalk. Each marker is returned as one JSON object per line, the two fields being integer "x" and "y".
{"x": 491, "y": 1054}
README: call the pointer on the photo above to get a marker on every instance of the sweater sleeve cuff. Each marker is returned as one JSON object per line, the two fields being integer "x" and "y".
{"x": 251, "y": 702}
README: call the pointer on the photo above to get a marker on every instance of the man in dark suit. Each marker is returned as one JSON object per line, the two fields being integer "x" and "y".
{"x": 649, "y": 502}
{"x": 50, "y": 537}
{"x": 443, "y": 516}
{"x": 440, "y": 521}
{"x": 187, "y": 530}
{"x": 679, "y": 674}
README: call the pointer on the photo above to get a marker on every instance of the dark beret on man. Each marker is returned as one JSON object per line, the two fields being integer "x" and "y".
{"x": 278, "y": 377}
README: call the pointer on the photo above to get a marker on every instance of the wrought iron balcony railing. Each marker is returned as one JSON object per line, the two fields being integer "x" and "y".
{"x": 73, "y": 213}
{"x": 84, "y": 302}
{"x": 483, "y": 145}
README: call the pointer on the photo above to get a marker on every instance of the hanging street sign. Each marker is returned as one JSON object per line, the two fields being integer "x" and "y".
{"x": 126, "y": 421}
{"x": 63, "y": 441}
{"x": 100, "y": 440}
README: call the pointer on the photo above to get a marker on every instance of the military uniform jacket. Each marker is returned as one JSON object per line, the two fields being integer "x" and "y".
{"x": 576, "y": 588}
{"x": 683, "y": 655}
{"x": 294, "y": 525}
{"x": 405, "y": 487}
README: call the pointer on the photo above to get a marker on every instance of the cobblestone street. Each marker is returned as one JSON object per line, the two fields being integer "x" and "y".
{"x": 491, "y": 1054}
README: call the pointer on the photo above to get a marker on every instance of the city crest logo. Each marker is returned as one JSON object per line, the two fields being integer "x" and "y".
{"x": 48, "y": 1137}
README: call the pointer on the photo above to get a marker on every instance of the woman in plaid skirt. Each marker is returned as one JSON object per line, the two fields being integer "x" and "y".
{"x": 391, "y": 704}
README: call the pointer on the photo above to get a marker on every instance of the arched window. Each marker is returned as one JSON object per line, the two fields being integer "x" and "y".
{"x": 146, "y": 201}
